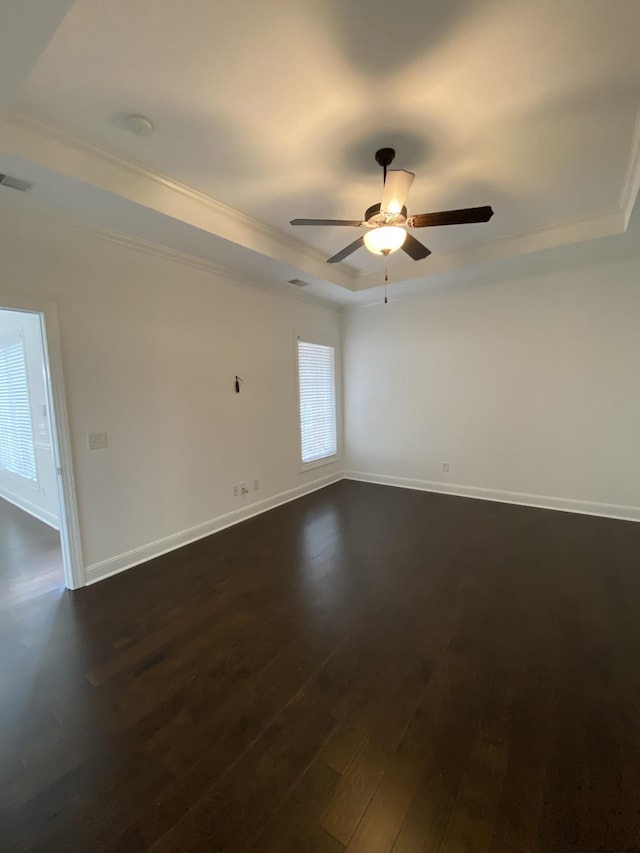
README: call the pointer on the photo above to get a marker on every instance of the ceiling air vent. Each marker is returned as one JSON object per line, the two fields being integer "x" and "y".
{"x": 14, "y": 183}
{"x": 298, "y": 282}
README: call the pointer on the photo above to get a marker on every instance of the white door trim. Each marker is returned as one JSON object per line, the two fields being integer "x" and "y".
{"x": 61, "y": 440}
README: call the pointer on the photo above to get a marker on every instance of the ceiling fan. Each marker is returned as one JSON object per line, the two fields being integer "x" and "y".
{"x": 387, "y": 222}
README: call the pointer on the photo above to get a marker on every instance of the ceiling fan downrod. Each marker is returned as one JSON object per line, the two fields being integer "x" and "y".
{"x": 384, "y": 158}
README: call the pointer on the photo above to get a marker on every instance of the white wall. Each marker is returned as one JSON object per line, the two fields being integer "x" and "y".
{"x": 37, "y": 497}
{"x": 150, "y": 350}
{"x": 530, "y": 387}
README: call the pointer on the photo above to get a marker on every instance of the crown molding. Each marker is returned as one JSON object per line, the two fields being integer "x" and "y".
{"x": 631, "y": 185}
{"x": 158, "y": 179}
{"x": 559, "y": 233}
{"x": 262, "y": 236}
{"x": 525, "y": 242}
{"x": 480, "y": 276}
{"x": 165, "y": 253}
{"x": 342, "y": 277}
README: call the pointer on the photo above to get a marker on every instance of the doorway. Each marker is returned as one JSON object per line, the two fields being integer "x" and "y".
{"x": 39, "y": 542}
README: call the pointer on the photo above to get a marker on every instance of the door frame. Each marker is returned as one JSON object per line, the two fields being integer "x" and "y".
{"x": 60, "y": 434}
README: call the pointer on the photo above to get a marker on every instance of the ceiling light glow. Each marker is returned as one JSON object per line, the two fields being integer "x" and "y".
{"x": 385, "y": 239}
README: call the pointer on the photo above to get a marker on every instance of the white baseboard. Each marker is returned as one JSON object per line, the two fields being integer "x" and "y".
{"x": 626, "y": 513}
{"x": 114, "y": 565}
{"x": 36, "y": 511}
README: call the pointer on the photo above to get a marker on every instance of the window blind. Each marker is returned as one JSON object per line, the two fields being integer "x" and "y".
{"x": 317, "y": 379}
{"x": 16, "y": 435}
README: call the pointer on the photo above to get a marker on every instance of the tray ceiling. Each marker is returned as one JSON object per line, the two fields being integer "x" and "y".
{"x": 529, "y": 107}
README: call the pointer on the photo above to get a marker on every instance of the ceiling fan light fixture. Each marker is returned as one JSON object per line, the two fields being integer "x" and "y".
{"x": 385, "y": 239}
{"x": 386, "y": 221}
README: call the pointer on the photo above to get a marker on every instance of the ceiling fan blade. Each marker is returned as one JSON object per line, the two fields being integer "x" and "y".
{"x": 451, "y": 217}
{"x": 415, "y": 249}
{"x": 344, "y": 253}
{"x": 354, "y": 222}
{"x": 396, "y": 188}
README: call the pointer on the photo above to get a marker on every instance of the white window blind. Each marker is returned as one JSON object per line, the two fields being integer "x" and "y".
{"x": 16, "y": 434}
{"x": 317, "y": 379}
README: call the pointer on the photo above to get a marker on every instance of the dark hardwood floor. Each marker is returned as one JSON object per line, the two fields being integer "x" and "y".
{"x": 367, "y": 669}
{"x": 30, "y": 557}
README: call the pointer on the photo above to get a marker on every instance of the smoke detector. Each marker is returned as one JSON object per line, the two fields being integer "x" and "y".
{"x": 138, "y": 124}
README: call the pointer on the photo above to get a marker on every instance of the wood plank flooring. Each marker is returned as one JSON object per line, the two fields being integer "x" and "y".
{"x": 30, "y": 557}
{"x": 367, "y": 669}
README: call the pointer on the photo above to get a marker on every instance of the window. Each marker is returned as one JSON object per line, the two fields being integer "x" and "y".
{"x": 317, "y": 383}
{"x": 16, "y": 435}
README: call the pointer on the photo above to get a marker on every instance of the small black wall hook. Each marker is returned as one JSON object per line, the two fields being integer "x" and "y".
{"x": 238, "y": 383}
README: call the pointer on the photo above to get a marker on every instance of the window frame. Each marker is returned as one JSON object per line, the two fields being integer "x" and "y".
{"x": 324, "y": 342}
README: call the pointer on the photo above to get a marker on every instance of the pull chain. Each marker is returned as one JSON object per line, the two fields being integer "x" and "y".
{"x": 386, "y": 280}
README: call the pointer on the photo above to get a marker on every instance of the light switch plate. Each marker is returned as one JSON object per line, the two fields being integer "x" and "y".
{"x": 97, "y": 440}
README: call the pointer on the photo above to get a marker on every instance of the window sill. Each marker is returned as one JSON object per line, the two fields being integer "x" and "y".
{"x": 318, "y": 463}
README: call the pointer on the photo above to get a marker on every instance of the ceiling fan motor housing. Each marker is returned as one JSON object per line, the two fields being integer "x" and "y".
{"x": 385, "y": 157}
{"x": 374, "y": 218}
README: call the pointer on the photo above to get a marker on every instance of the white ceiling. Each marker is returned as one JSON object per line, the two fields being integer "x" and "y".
{"x": 276, "y": 112}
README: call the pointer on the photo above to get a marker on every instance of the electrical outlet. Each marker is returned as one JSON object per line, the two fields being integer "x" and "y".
{"x": 256, "y": 484}
{"x": 445, "y": 467}
{"x": 97, "y": 440}
{"x": 236, "y": 491}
